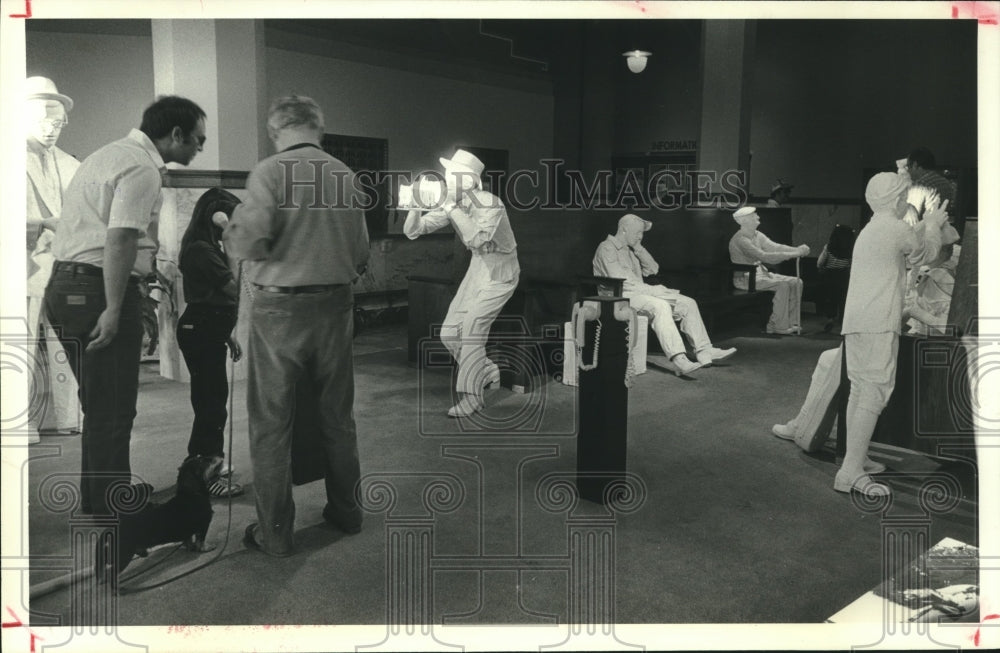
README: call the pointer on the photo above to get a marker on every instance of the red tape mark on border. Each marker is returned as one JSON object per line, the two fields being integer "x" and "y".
{"x": 26, "y": 14}
{"x": 17, "y": 624}
{"x": 984, "y": 12}
{"x": 975, "y": 638}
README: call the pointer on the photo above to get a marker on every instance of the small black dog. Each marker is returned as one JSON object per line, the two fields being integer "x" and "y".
{"x": 184, "y": 518}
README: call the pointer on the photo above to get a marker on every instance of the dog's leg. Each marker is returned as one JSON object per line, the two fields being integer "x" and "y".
{"x": 198, "y": 543}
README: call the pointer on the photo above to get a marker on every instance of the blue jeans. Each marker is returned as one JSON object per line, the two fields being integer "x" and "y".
{"x": 292, "y": 336}
{"x": 108, "y": 378}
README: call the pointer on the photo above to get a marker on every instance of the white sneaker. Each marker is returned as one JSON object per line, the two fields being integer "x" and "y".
{"x": 784, "y": 431}
{"x": 683, "y": 365}
{"x": 721, "y": 354}
{"x": 709, "y": 355}
{"x": 873, "y": 467}
{"x": 468, "y": 406}
{"x": 863, "y": 484}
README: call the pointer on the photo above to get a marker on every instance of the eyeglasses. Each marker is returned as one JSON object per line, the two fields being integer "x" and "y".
{"x": 53, "y": 124}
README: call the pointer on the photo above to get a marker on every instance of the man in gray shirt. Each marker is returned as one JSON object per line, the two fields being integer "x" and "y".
{"x": 301, "y": 222}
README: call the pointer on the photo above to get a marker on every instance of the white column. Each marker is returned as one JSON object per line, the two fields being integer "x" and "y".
{"x": 220, "y": 65}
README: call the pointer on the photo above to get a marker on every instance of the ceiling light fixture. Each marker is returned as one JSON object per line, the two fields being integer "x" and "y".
{"x": 636, "y": 60}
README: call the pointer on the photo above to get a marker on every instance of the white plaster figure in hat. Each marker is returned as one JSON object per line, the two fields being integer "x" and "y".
{"x": 926, "y": 312}
{"x": 873, "y": 315}
{"x": 750, "y": 247}
{"x": 810, "y": 428}
{"x": 480, "y": 219}
{"x": 622, "y": 256}
{"x": 50, "y": 170}
{"x": 902, "y": 169}
{"x": 781, "y": 192}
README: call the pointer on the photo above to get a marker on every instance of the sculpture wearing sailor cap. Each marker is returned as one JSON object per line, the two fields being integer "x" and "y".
{"x": 750, "y": 247}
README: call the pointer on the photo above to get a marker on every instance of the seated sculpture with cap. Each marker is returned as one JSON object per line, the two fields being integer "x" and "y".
{"x": 751, "y": 247}
{"x": 623, "y": 256}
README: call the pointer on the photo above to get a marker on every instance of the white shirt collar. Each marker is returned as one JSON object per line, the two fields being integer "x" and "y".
{"x": 146, "y": 144}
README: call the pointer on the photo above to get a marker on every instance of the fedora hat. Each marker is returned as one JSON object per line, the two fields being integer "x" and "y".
{"x": 464, "y": 162}
{"x": 781, "y": 183}
{"x": 43, "y": 88}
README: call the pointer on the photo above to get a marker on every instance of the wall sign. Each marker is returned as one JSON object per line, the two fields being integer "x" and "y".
{"x": 673, "y": 146}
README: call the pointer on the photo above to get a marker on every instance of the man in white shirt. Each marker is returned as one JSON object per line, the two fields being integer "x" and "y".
{"x": 104, "y": 245}
{"x": 622, "y": 256}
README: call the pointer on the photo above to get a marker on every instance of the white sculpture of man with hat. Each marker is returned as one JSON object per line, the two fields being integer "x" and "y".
{"x": 750, "y": 247}
{"x": 781, "y": 192}
{"x": 622, "y": 256}
{"x": 49, "y": 172}
{"x": 480, "y": 219}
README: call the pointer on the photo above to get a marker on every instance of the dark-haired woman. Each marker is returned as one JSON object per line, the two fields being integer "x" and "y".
{"x": 834, "y": 267}
{"x": 205, "y": 329}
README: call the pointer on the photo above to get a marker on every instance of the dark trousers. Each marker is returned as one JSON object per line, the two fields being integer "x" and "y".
{"x": 108, "y": 378}
{"x": 202, "y": 332}
{"x": 292, "y": 338}
{"x": 831, "y": 292}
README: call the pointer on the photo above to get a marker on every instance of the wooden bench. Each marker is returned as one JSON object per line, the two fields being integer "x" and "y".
{"x": 716, "y": 294}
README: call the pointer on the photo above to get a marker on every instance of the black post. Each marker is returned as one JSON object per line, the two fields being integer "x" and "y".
{"x": 602, "y": 443}
{"x": 843, "y": 392}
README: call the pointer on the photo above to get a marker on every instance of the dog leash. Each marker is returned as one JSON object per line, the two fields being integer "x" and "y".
{"x": 229, "y": 482}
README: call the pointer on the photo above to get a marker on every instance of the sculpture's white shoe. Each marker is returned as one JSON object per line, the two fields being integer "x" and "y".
{"x": 468, "y": 406}
{"x": 873, "y": 467}
{"x": 682, "y": 365}
{"x": 863, "y": 484}
{"x": 710, "y": 355}
{"x": 784, "y": 431}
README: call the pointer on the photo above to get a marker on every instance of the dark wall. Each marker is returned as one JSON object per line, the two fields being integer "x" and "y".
{"x": 663, "y": 102}
{"x": 601, "y": 108}
{"x": 834, "y": 97}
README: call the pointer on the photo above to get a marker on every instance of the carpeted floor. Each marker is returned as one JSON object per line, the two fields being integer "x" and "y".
{"x": 735, "y": 525}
